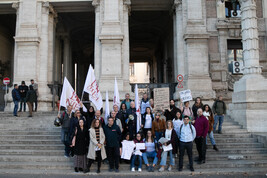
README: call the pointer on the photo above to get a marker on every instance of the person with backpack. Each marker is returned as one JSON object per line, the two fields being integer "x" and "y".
{"x": 144, "y": 104}
{"x": 186, "y": 110}
{"x": 65, "y": 129}
{"x": 219, "y": 110}
{"x": 186, "y": 135}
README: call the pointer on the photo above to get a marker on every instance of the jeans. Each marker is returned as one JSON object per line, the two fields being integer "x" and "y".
{"x": 201, "y": 148}
{"x": 113, "y": 157}
{"x": 217, "y": 118}
{"x": 212, "y": 140}
{"x": 158, "y": 136}
{"x": 65, "y": 139}
{"x": 16, "y": 105}
{"x": 22, "y": 100}
{"x": 188, "y": 146}
{"x": 164, "y": 158}
{"x": 150, "y": 155}
{"x": 139, "y": 160}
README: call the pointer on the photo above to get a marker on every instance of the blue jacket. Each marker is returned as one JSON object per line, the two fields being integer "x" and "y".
{"x": 15, "y": 95}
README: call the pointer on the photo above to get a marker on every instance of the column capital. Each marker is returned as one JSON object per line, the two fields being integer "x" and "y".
{"x": 95, "y": 3}
{"x": 15, "y": 5}
{"x": 127, "y": 4}
{"x": 242, "y": 2}
{"x": 49, "y": 9}
{"x": 177, "y": 4}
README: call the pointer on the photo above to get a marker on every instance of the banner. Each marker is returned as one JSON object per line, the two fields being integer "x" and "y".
{"x": 185, "y": 95}
{"x": 69, "y": 97}
{"x": 92, "y": 89}
{"x": 116, "y": 98}
{"x": 106, "y": 109}
{"x": 137, "y": 109}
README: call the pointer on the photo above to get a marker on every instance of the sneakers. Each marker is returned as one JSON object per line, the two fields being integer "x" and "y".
{"x": 169, "y": 168}
{"x": 76, "y": 169}
{"x": 133, "y": 170}
{"x": 180, "y": 169}
{"x": 98, "y": 171}
{"x": 117, "y": 170}
{"x": 152, "y": 169}
{"x": 139, "y": 170}
{"x": 219, "y": 132}
{"x": 215, "y": 148}
{"x": 161, "y": 169}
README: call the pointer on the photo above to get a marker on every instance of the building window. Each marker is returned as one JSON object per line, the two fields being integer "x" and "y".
{"x": 235, "y": 53}
{"x": 229, "y": 9}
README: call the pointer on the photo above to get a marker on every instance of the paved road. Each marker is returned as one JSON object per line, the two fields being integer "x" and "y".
{"x": 133, "y": 176}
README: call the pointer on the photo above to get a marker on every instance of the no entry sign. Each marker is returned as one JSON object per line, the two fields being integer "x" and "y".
{"x": 6, "y": 81}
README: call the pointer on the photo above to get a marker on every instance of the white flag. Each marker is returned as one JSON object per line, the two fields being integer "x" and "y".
{"x": 92, "y": 89}
{"x": 116, "y": 97}
{"x": 69, "y": 97}
{"x": 137, "y": 109}
{"x": 106, "y": 108}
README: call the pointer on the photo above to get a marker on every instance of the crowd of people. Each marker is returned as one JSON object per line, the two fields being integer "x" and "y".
{"x": 25, "y": 94}
{"x": 166, "y": 134}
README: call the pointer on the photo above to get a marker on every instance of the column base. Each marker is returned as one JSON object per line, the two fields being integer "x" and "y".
{"x": 249, "y": 103}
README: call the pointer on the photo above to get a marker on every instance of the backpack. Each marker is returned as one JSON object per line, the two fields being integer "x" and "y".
{"x": 190, "y": 128}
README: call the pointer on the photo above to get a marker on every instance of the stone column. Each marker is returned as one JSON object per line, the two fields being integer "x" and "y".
{"x": 113, "y": 56}
{"x": 178, "y": 42}
{"x": 66, "y": 57}
{"x": 196, "y": 59}
{"x": 97, "y": 50}
{"x": 249, "y": 101}
{"x": 58, "y": 52}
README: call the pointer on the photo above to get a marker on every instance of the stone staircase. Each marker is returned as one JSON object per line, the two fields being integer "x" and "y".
{"x": 32, "y": 146}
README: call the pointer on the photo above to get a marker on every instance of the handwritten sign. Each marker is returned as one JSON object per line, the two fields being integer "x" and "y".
{"x": 185, "y": 95}
{"x": 161, "y": 99}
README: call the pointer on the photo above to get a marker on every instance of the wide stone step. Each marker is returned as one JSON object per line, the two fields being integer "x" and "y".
{"x": 28, "y": 137}
{"x": 29, "y": 132}
{"x": 61, "y": 158}
{"x": 239, "y": 145}
{"x": 233, "y": 140}
{"x": 29, "y": 152}
{"x": 34, "y": 147}
{"x": 234, "y": 164}
{"x": 256, "y": 172}
{"x": 233, "y": 135}
{"x": 69, "y": 165}
{"x": 30, "y": 142}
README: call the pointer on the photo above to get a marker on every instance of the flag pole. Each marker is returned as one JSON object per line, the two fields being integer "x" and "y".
{"x": 82, "y": 96}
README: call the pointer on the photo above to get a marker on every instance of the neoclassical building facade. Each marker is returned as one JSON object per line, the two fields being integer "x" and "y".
{"x": 202, "y": 40}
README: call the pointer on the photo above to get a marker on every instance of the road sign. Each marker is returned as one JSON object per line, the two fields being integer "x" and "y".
{"x": 6, "y": 81}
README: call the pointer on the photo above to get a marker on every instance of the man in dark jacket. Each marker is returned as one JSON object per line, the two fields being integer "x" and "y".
{"x": 131, "y": 121}
{"x": 65, "y": 129}
{"x": 23, "y": 89}
{"x": 171, "y": 113}
{"x": 201, "y": 125}
{"x": 127, "y": 100}
{"x": 113, "y": 134}
{"x": 219, "y": 110}
{"x": 30, "y": 98}
{"x": 16, "y": 99}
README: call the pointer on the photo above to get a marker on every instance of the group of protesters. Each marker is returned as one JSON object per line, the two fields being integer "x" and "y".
{"x": 88, "y": 137}
{"x": 25, "y": 94}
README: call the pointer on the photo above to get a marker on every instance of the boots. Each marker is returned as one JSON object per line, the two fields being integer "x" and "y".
{"x": 215, "y": 148}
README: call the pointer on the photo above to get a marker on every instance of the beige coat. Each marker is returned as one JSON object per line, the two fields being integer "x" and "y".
{"x": 93, "y": 144}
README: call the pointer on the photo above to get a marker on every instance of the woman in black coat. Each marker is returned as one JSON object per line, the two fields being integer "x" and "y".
{"x": 80, "y": 144}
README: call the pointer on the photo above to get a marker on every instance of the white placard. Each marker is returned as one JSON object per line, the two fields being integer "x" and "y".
{"x": 167, "y": 148}
{"x": 140, "y": 146}
{"x": 185, "y": 95}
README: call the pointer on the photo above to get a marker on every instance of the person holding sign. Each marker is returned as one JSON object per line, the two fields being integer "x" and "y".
{"x": 186, "y": 110}
{"x": 168, "y": 147}
{"x": 151, "y": 151}
{"x": 137, "y": 154}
